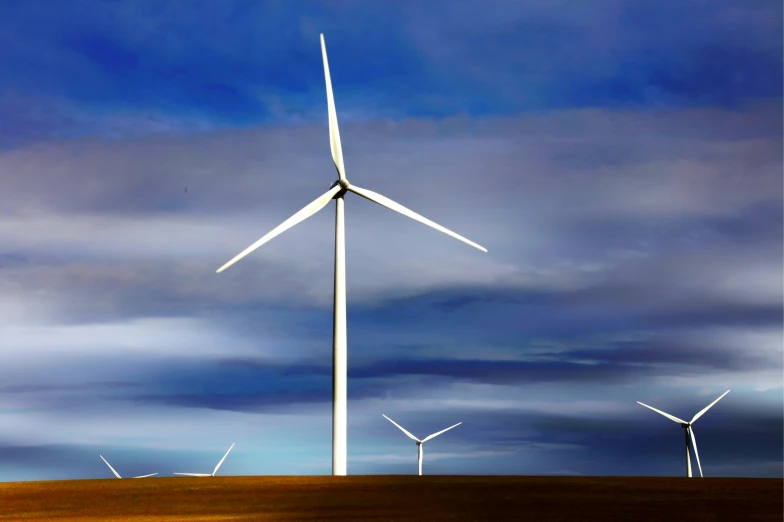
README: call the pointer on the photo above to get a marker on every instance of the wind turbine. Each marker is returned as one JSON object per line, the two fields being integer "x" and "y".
{"x": 213, "y": 471}
{"x": 337, "y": 191}
{"x": 118, "y": 475}
{"x": 689, "y": 431}
{"x": 420, "y": 442}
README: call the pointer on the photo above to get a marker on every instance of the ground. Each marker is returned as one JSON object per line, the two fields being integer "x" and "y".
{"x": 395, "y": 497}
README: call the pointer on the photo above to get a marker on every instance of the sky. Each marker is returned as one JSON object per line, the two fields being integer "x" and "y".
{"x": 621, "y": 162}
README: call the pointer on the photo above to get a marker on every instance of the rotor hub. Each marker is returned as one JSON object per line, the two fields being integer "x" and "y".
{"x": 343, "y": 183}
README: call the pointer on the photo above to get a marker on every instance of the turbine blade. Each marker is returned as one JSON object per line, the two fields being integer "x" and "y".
{"x": 709, "y": 406}
{"x": 145, "y": 476}
{"x": 401, "y": 428}
{"x": 397, "y": 207}
{"x": 303, "y": 214}
{"x": 434, "y": 435}
{"x": 193, "y": 474}
{"x": 671, "y": 417}
{"x": 110, "y": 467}
{"x": 696, "y": 453}
{"x": 221, "y": 460}
{"x": 334, "y": 133}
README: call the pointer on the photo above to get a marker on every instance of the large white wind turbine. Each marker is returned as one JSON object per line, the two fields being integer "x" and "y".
{"x": 689, "y": 431}
{"x": 118, "y": 475}
{"x": 420, "y": 442}
{"x": 213, "y": 471}
{"x": 337, "y": 191}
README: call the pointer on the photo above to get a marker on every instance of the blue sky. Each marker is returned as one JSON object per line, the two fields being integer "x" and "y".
{"x": 621, "y": 161}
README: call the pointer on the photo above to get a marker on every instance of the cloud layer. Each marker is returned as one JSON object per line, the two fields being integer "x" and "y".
{"x": 626, "y": 181}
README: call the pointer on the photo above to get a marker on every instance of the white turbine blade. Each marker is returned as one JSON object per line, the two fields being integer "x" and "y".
{"x": 696, "y": 453}
{"x": 221, "y": 460}
{"x": 303, "y": 214}
{"x": 397, "y": 207}
{"x": 110, "y": 467}
{"x": 145, "y": 476}
{"x": 671, "y": 417}
{"x": 334, "y": 133}
{"x": 709, "y": 406}
{"x": 401, "y": 428}
{"x": 434, "y": 435}
{"x": 193, "y": 474}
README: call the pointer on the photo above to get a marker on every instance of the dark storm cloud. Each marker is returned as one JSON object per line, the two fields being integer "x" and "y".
{"x": 726, "y": 315}
{"x": 247, "y": 385}
{"x": 723, "y": 417}
{"x": 656, "y": 444}
{"x": 240, "y": 384}
{"x": 502, "y": 372}
{"x": 598, "y": 309}
{"x": 661, "y": 356}
{"x": 757, "y": 222}
{"x": 659, "y": 450}
{"x": 598, "y": 361}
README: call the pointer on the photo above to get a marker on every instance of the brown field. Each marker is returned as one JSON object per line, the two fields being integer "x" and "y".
{"x": 395, "y": 497}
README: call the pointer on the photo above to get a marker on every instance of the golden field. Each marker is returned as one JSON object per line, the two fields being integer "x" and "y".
{"x": 395, "y": 497}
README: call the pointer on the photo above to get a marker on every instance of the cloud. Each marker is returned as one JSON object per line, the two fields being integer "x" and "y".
{"x": 183, "y": 337}
{"x": 127, "y": 203}
{"x": 626, "y": 182}
{"x": 43, "y": 388}
{"x": 392, "y": 458}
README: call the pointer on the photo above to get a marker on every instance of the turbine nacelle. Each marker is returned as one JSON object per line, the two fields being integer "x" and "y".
{"x": 685, "y": 425}
{"x": 342, "y": 183}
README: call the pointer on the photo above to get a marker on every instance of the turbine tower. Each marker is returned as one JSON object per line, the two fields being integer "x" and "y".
{"x": 337, "y": 191}
{"x": 213, "y": 471}
{"x": 689, "y": 431}
{"x": 420, "y": 442}
{"x": 118, "y": 475}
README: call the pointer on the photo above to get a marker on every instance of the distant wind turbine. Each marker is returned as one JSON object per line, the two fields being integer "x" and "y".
{"x": 118, "y": 475}
{"x": 339, "y": 342}
{"x": 420, "y": 442}
{"x": 213, "y": 471}
{"x": 689, "y": 431}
